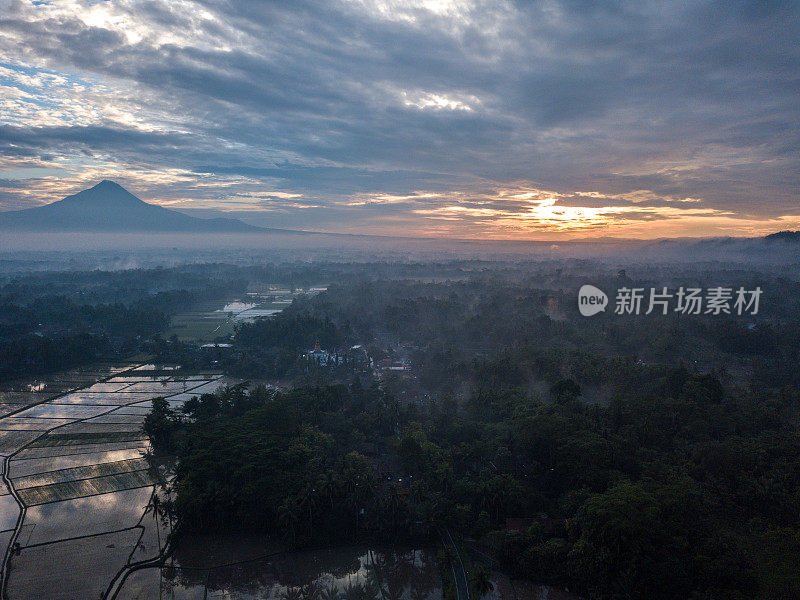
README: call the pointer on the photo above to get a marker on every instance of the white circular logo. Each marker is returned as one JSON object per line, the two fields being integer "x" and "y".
{"x": 591, "y": 300}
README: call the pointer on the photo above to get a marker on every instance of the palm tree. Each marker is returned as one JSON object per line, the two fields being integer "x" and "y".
{"x": 370, "y": 592}
{"x": 291, "y": 593}
{"x": 394, "y": 587}
{"x": 155, "y": 505}
{"x": 330, "y": 593}
{"x": 308, "y": 501}
{"x": 328, "y": 484}
{"x": 354, "y": 494}
{"x": 480, "y": 582}
{"x": 353, "y": 591}
{"x": 310, "y": 591}
{"x": 394, "y": 503}
{"x": 288, "y": 517}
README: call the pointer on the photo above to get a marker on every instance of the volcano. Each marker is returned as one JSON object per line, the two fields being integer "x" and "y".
{"x": 109, "y": 207}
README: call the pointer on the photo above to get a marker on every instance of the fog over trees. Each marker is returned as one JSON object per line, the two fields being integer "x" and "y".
{"x": 651, "y": 453}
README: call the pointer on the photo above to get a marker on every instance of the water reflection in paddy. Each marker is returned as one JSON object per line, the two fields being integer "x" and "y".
{"x": 398, "y": 573}
{"x": 63, "y": 411}
{"x": 9, "y": 511}
{"x": 256, "y": 312}
{"x": 117, "y": 418}
{"x": 141, "y": 409}
{"x": 53, "y": 451}
{"x": 20, "y": 468}
{"x": 42, "y": 425}
{"x": 237, "y": 306}
{"x": 105, "y": 399}
{"x": 106, "y": 387}
{"x": 76, "y": 464}
{"x": 85, "y": 516}
{"x": 70, "y": 570}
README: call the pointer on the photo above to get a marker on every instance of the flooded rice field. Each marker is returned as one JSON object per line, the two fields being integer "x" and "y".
{"x": 76, "y": 497}
{"x": 77, "y": 516}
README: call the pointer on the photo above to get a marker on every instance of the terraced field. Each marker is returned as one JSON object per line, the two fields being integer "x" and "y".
{"x": 76, "y": 496}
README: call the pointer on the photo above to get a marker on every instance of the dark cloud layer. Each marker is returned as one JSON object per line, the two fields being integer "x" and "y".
{"x": 338, "y": 101}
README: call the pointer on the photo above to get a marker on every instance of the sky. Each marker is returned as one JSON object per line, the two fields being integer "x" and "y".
{"x": 438, "y": 118}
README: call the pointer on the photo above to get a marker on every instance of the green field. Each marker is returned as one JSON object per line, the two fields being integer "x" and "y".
{"x": 200, "y": 326}
{"x": 208, "y": 323}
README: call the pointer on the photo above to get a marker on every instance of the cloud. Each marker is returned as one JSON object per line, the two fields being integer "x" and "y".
{"x": 655, "y": 109}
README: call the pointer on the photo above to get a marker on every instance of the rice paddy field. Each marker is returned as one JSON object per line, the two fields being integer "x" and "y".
{"x": 76, "y": 497}
{"x": 213, "y": 322}
{"x": 77, "y": 517}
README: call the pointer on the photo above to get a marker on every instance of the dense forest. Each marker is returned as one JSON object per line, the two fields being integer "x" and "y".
{"x": 618, "y": 457}
{"x": 525, "y": 331}
{"x": 55, "y": 320}
{"x": 676, "y": 488}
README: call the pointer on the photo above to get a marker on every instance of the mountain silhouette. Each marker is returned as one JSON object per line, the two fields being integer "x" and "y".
{"x": 109, "y": 207}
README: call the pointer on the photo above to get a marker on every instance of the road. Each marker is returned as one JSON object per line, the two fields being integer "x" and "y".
{"x": 459, "y": 574}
